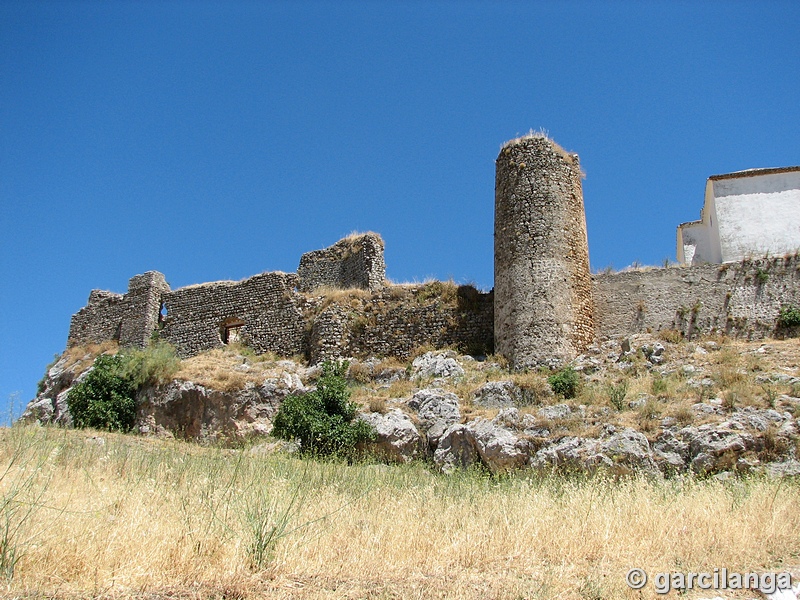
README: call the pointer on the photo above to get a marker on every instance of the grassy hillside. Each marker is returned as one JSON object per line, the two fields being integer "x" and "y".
{"x": 88, "y": 514}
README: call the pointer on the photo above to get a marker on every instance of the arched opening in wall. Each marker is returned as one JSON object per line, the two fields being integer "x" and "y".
{"x": 162, "y": 313}
{"x": 231, "y": 330}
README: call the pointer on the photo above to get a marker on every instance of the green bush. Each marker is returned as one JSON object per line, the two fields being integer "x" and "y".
{"x": 789, "y": 316}
{"x": 105, "y": 399}
{"x": 565, "y": 383}
{"x": 155, "y": 364}
{"x": 323, "y": 421}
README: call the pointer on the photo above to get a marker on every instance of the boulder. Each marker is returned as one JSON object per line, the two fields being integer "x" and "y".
{"x": 617, "y": 452}
{"x": 437, "y": 410}
{"x": 436, "y": 364}
{"x": 397, "y": 438}
{"x": 557, "y": 411}
{"x": 482, "y": 441}
{"x": 497, "y": 394}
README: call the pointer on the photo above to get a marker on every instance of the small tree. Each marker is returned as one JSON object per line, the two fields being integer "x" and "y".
{"x": 105, "y": 399}
{"x": 323, "y": 421}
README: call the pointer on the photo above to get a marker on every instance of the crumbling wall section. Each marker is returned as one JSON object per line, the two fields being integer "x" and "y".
{"x": 398, "y": 319}
{"x": 98, "y": 321}
{"x": 130, "y": 318}
{"x": 739, "y": 299}
{"x": 265, "y": 308}
{"x": 143, "y": 306}
{"x": 354, "y": 262}
{"x": 543, "y": 292}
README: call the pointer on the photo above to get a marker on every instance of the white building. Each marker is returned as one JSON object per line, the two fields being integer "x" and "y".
{"x": 745, "y": 214}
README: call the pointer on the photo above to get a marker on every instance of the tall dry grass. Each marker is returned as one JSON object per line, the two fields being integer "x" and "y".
{"x": 139, "y": 518}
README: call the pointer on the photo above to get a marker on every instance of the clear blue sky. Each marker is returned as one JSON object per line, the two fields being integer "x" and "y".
{"x": 217, "y": 140}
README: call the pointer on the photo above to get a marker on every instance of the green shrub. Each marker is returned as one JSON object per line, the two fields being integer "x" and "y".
{"x": 617, "y": 393}
{"x": 323, "y": 421}
{"x": 105, "y": 399}
{"x": 155, "y": 364}
{"x": 789, "y": 316}
{"x": 564, "y": 383}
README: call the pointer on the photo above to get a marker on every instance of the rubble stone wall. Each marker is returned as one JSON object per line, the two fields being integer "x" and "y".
{"x": 739, "y": 299}
{"x": 354, "y": 262}
{"x": 265, "y": 308}
{"x": 395, "y": 321}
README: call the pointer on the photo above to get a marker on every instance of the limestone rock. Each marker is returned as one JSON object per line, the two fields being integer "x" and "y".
{"x": 557, "y": 411}
{"x": 398, "y": 439}
{"x": 619, "y": 453}
{"x": 50, "y": 405}
{"x": 437, "y": 410}
{"x": 497, "y": 394}
{"x": 192, "y": 411}
{"x": 436, "y": 364}
{"x": 482, "y": 441}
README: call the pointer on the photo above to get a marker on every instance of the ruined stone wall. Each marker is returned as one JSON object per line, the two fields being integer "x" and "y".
{"x": 267, "y": 307}
{"x": 739, "y": 299}
{"x": 99, "y": 320}
{"x": 354, "y": 262}
{"x": 130, "y": 318}
{"x": 543, "y": 310}
{"x": 143, "y": 302}
{"x": 398, "y": 319}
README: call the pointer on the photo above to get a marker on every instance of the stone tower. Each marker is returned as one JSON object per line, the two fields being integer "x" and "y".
{"x": 542, "y": 283}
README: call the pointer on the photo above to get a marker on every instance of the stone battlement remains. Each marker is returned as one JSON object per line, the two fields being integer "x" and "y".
{"x": 545, "y": 309}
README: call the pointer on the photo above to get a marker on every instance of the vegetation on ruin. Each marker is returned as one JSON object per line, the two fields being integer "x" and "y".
{"x": 565, "y": 383}
{"x": 789, "y": 316}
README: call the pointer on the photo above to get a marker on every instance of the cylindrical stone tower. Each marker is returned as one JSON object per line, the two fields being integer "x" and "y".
{"x": 542, "y": 283}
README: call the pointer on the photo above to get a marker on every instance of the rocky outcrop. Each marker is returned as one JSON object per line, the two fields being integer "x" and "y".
{"x": 397, "y": 438}
{"x": 483, "y": 441}
{"x": 436, "y": 364}
{"x": 189, "y": 410}
{"x": 617, "y": 452}
{"x": 436, "y": 410}
{"x": 50, "y": 404}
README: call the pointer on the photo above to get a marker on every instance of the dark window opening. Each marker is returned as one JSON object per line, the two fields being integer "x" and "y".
{"x": 231, "y": 330}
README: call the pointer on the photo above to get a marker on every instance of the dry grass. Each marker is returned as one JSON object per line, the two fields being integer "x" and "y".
{"x": 229, "y": 369}
{"x": 80, "y": 358}
{"x": 135, "y": 518}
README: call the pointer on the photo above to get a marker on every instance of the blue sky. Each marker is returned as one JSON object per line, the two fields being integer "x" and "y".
{"x": 217, "y": 140}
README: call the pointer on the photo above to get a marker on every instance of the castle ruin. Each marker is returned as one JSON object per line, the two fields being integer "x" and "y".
{"x": 545, "y": 309}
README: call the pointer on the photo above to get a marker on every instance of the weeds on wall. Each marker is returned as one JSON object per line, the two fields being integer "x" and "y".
{"x": 789, "y": 316}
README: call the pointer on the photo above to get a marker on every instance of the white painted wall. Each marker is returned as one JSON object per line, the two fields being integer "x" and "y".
{"x": 744, "y": 216}
{"x": 758, "y": 215}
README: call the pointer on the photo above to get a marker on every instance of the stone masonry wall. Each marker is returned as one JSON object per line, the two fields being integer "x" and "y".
{"x": 99, "y": 320}
{"x": 130, "y": 318}
{"x": 398, "y": 319}
{"x": 738, "y": 299}
{"x": 266, "y": 305}
{"x": 143, "y": 308}
{"x": 543, "y": 294}
{"x": 354, "y": 262}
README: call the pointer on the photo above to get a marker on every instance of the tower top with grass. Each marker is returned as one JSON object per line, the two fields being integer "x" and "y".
{"x": 543, "y": 289}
